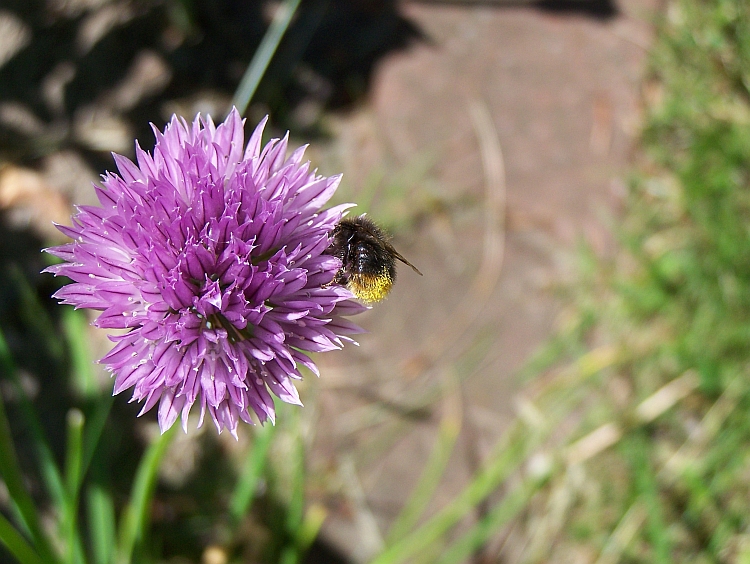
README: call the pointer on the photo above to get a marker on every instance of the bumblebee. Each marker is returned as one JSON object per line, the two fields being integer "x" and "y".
{"x": 368, "y": 260}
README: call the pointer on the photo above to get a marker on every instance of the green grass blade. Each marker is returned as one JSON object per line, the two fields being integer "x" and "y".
{"x": 646, "y": 485}
{"x": 310, "y": 527}
{"x": 450, "y": 426}
{"x": 72, "y": 482}
{"x": 244, "y": 491}
{"x": 101, "y": 519}
{"x": 135, "y": 515}
{"x": 75, "y": 325}
{"x": 49, "y": 469}
{"x": 35, "y": 316}
{"x": 296, "y": 508}
{"x": 257, "y": 67}
{"x": 16, "y": 544}
{"x": 93, "y": 431}
{"x": 16, "y": 514}
{"x": 511, "y": 452}
{"x": 11, "y": 474}
{"x": 82, "y": 368}
{"x": 512, "y": 504}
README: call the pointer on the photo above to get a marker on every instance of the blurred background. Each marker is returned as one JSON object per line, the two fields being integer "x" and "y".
{"x": 568, "y": 380}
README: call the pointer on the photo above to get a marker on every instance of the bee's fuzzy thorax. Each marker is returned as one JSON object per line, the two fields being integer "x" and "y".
{"x": 368, "y": 259}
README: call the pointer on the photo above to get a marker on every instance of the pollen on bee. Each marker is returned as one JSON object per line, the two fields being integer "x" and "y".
{"x": 370, "y": 288}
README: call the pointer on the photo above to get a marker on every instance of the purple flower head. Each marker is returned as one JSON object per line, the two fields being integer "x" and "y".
{"x": 209, "y": 254}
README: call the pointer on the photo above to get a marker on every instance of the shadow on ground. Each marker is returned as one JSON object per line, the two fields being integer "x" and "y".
{"x": 89, "y": 78}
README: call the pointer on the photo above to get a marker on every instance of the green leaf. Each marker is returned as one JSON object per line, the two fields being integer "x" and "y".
{"x": 244, "y": 491}
{"x": 101, "y": 519}
{"x": 16, "y": 544}
{"x": 73, "y": 482}
{"x": 136, "y": 514}
{"x": 49, "y": 469}
{"x": 11, "y": 473}
{"x": 262, "y": 57}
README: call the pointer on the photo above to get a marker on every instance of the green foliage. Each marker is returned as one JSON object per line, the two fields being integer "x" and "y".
{"x": 88, "y": 515}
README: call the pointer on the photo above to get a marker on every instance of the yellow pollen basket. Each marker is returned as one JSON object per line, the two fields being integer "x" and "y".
{"x": 370, "y": 287}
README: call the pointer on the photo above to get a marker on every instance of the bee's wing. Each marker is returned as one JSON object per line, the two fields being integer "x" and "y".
{"x": 400, "y": 257}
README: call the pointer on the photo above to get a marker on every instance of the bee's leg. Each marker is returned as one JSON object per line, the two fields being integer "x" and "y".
{"x": 341, "y": 279}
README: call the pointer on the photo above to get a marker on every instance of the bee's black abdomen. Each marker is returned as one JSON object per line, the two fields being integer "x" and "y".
{"x": 372, "y": 260}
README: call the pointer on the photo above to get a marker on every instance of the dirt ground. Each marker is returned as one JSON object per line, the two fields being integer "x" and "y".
{"x": 552, "y": 95}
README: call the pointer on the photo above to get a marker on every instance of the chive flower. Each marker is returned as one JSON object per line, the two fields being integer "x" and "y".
{"x": 208, "y": 259}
